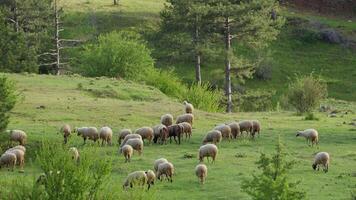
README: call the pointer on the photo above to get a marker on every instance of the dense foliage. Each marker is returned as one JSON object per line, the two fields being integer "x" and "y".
{"x": 8, "y": 98}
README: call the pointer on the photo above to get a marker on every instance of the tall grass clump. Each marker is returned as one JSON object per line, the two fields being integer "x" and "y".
{"x": 202, "y": 97}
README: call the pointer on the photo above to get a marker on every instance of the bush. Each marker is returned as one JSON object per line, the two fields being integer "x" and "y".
{"x": 305, "y": 93}
{"x": 310, "y": 116}
{"x": 8, "y": 98}
{"x": 263, "y": 72}
{"x": 117, "y": 54}
{"x": 273, "y": 182}
{"x": 254, "y": 101}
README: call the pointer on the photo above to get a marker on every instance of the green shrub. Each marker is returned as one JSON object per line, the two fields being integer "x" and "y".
{"x": 8, "y": 98}
{"x": 310, "y": 116}
{"x": 254, "y": 101}
{"x": 273, "y": 182}
{"x": 117, "y": 54}
{"x": 305, "y": 93}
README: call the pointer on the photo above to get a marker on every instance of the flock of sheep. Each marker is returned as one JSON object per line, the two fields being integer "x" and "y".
{"x": 129, "y": 141}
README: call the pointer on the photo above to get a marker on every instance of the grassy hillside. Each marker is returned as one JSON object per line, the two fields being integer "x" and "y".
{"x": 290, "y": 54}
{"x": 78, "y": 101}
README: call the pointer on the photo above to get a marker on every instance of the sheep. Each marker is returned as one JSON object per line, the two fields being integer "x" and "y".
{"x": 311, "y": 135}
{"x": 201, "y": 171}
{"x": 135, "y": 178}
{"x": 66, "y": 131}
{"x": 235, "y": 129}
{"x": 146, "y": 133}
{"x": 18, "y": 147}
{"x": 127, "y": 150}
{"x": 175, "y": 131}
{"x": 246, "y": 125}
{"x": 158, "y": 162}
{"x": 188, "y": 107}
{"x": 213, "y": 136}
{"x": 160, "y": 132}
{"x": 20, "y": 156}
{"x": 167, "y": 119}
{"x": 151, "y": 177}
{"x": 166, "y": 169}
{"x": 105, "y": 134}
{"x": 88, "y": 132}
{"x": 9, "y": 160}
{"x": 185, "y": 118}
{"x": 225, "y": 131}
{"x": 256, "y": 127}
{"x": 75, "y": 154}
{"x": 136, "y": 144}
{"x": 208, "y": 150}
{"x": 321, "y": 158}
{"x": 130, "y": 136}
{"x": 187, "y": 129}
{"x": 123, "y": 134}
{"x": 18, "y": 136}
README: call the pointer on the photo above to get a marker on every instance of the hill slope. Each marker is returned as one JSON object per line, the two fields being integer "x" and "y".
{"x": 78, "y": 101}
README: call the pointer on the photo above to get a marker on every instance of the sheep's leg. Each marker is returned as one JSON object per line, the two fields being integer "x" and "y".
{"x": 174, "y": 137}
{"x": 84, "y": 140}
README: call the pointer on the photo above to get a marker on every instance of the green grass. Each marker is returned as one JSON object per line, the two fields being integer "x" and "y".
{"x": 65, "y": 103}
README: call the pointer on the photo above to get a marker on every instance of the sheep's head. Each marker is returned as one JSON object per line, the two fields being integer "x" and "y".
{"x": 185, "y": 102}
{"x": 298, "y": 134}
{"x": 314, "y": 166}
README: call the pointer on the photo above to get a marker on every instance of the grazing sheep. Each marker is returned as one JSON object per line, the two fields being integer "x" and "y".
{"x": 130, "y": 136}
{"x": 18, "y": 147}
{"x": 127, "y": 150}
{"x": 235, "y": 129}
{"x": 146, "y": 133}
{"x": 136, "y": 144}
{"x": 187, "y": 129}
{"x": 135, "y": 178}
{"x": 151, "y": 177}
{"x": 20, "y": 156}
{"x": 256, "y": 127}
{"x": 321, "y": 158}
{"x": 166, "y": 169}
{"x": 158, "y": 162}
{"x": 213, "y": 136}
{"x": 225, "y": 131}
{"x": 88, "y": 132}
{"x": 105, "y": 135}
{"x": 9, "y": 160}
{"x": 75, "y": 154}
{"x": 167, "y": 119}
{"x": 123, "y": 134}
{"x": 160, "y": 132}
{"x": 18, "y": 136}
{"x": 311, "y": 135}
{"x": 66, "y": 131}
{"x": 246, "y": 125}
{"x": 175, "y": 131}
{"x": 208, "y": 150}
{"x": 201, "y": 171}
{"x": 185, "y": 118}
{"x": 188, "y": 107}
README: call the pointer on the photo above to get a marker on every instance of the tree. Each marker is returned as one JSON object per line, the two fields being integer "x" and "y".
{"x": 116, "y": 2}
{"x": 273, "y": 182}
{"x": 8, "y": 99}
{"x": 189, "y": 21}
{"x": 251, "y": 24}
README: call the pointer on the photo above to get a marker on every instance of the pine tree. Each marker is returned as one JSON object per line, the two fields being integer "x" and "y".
{"x": 8, "y": 99}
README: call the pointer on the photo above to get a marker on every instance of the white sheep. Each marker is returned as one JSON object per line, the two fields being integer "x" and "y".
{"x": 88, "y": 133}
{"x": 225, "y": 131}
{"x": 146, "y": 133}
{"x": 9, "y": 160}
{"x": 166, "y": 169}
{"x": 130, "y": 136}
{"x": 151, "y": 177}
{"x": 188, "y": 117}
{"x": 235, "y": 129}
{"x": 123, "y": 134}
{"x": 20, "y": 156}
{"x": 188, "y": 107}
{"x": 160, "y": 132}
{"x": 18, "y": 147}
{"x": 66, "y": 131}
{"x": 187, "y": 129}
{"x": 323, "y": 159}
{"x": 201, "y": 171}
{"x": 246, "y": 125}
{"x": 158, "y": 162}
{"x": 127, "y": 151}
{"x": 256, "y": 127}
{"x": 136, "y": 144}
{"x": 105, "y": 134}
{"x": 311, "y": 136}
{"x": 18, "y": 136}
{"x": 208, "y": 150}
{"x": 75, "y": 154}
{"x": 213, "y": 136}
{"x": 138, "y": 178}
{"x": 167, "y": 119}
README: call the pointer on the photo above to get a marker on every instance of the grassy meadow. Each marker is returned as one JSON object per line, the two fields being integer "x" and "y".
{"x": 120, "y": 104}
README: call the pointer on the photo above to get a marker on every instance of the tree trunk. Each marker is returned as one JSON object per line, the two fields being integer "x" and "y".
{"x": 197, "y": 53}
{"x": 56, "y": 18}
{"x": 228, "y": 92}
{"x": 115, "y": 2}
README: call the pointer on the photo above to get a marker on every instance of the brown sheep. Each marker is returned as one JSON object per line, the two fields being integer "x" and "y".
{"x": 160, "y": 132}
{"x": 246, "y": 125}
{"x": 123, "y": 134}
{"x": 235, "y": 129}
{"x": 256, "y": 127}
{"x": 175, "y": 131}
{"x": 66, "y": 131}
{"x": 185, "y": 118}
{"x": 187, "y": 129}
